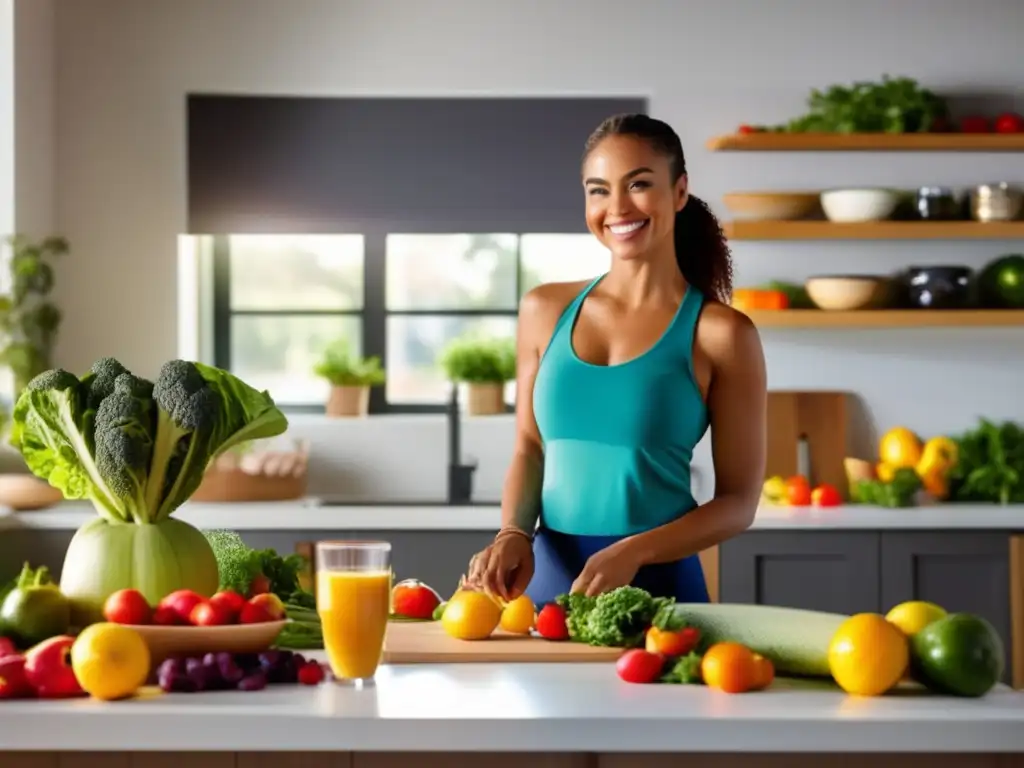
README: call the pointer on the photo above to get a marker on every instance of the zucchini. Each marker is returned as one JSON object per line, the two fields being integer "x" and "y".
{"x": 796, "y": 641}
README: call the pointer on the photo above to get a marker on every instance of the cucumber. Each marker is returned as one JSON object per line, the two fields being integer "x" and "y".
{"x": 796, "y": 641}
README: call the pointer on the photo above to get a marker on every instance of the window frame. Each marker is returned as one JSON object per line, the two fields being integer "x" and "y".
{"x": 374, "y": 316}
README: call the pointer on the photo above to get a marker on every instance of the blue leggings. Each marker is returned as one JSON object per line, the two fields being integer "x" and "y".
{"x": 559, "y": 558}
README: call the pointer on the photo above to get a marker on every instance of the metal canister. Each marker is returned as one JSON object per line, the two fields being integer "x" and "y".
{"x": 998, "y": 201}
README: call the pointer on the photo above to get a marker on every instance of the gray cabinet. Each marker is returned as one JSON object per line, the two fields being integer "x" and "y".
{"x": 853, "y": 571}
{"x": 964, "y": 571}
{"x": 822, "y": 571}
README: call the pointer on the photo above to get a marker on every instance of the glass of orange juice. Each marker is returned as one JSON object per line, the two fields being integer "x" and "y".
{"x": 353, "y": 598}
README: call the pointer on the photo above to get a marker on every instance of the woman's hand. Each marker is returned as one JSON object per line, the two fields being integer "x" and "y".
{"x": 610, "y": 568}
{"x": 504, "y": 568}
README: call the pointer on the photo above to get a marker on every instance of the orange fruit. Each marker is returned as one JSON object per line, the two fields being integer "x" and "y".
{"x": 764, "y": 671}
{"x": 471, "y": 615}
{"x": 518, "y": 616}
{"x": 868, "y": 655}
{"x": 730, "y": 667}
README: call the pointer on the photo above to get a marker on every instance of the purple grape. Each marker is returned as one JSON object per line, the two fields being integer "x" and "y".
{"x": 210, "y": 659}
{"x": 171, "y": 666}
{"x": 176, "y": 682}
{"x": 254, "y": 682}
{"x": 230, "y": 672}
{"x": 270, "y": 659}
{"x": 248, "y": 661}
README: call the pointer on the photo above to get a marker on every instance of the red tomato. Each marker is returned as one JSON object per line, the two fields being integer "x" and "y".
{"x": 209, "y": 615}
{"x": 798, "y": 491}
{"x": 747, "y": 129}
{"x": 127, "y": 606}
{"x": 638, "y": 666}
{"x": 230, "y": 601}
{"x": 826, "y": 495}
{"x": 1009, "y": 122}
{"x": 974, "y": 124}
{"x": 165, "y": 616}
{"x": 668, "y": 642}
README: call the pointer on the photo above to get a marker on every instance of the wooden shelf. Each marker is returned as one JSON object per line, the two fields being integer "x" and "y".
{"x": 868, "y": 142}
{"x": 888, "y": 318}
{"x": 874, "y": 230}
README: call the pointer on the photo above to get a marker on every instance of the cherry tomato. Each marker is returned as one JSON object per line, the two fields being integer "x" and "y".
{"x": 1009, "y": 122}
{"x": 639, "y": 666}
{"x": 798, "y": 491}
{"x": 826, "y": 495}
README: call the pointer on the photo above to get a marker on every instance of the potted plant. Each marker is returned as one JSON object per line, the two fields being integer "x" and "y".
{"x": 350, "y": 377}
{"x": 483, "y": 365}
{"x": 29, "y": 322}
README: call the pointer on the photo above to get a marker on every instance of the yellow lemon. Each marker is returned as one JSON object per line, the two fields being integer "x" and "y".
{"x": 899, "y": 447}
{"x": 868, "y": 655}
{"x": 111, "y": 661}
{"x": 519, "y": 615}
{"x": 914, "y": 615}
{"x": 471, "y": 615}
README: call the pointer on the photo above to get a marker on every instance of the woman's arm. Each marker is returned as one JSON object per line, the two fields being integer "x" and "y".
{"x": 506, "y": 566}
{"x": 520, "y": 497}
{"x": 738, "y": 407}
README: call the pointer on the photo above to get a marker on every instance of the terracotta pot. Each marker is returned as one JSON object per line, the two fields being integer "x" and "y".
{"x": 485, "y": 399}
{"x": 346, "y": 402}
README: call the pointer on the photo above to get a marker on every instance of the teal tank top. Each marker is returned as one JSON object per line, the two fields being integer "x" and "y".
{"x": 618, "y": 440}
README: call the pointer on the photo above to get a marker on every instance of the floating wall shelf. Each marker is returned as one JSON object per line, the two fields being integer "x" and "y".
{"x": 874, "y": 230}
{"x": 888, "y": 318}
{"x": 868, "y": 142}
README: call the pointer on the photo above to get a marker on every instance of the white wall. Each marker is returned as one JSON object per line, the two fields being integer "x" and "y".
{"x": 124, "y": 67}
{"x": 34, "y": 60}
{"x": 6, "y": 116}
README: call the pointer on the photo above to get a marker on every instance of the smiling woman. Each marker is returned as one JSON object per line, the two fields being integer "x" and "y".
{"x": 619, "y": 378}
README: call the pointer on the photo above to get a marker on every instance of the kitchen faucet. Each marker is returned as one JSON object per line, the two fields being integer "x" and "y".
{"x": 460, "y": 476}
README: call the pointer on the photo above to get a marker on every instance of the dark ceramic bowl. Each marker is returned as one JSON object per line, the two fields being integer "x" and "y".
{"x": 939, "y": 287}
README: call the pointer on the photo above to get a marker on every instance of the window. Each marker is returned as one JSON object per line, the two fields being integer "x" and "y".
{"x": 281, "y": 298}
{"x": 287, "y": 297}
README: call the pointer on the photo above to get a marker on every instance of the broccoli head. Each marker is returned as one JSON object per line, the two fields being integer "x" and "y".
{"x": 202, "y": 412}
{"x": 125, "y": 425}
{"x": 52, "y": 429}
{"x": 137, "y": 449}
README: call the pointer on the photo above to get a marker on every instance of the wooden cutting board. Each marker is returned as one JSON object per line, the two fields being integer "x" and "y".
{"x": 427, "y": 643}
{"x": 812, "y": 424}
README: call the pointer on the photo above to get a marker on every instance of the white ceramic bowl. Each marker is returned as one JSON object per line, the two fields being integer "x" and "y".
{"x": 847, "y": 292}
{"x": 852, "y": 205}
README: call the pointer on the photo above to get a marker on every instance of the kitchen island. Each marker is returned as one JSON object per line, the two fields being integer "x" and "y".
{"x": 577, "y": 715}
{"x": 848, "y": 559}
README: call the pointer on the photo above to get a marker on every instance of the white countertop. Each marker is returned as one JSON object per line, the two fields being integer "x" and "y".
{"x": 521, "y": 707}
{"x": 312, "y": 515}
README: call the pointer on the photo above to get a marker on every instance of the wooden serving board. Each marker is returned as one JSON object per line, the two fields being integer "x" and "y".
{"x": 819, "y": 421}
{"x": 427, "y": 643}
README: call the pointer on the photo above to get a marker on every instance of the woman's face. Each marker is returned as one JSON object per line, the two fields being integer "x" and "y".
{"x": 631, "y": 198}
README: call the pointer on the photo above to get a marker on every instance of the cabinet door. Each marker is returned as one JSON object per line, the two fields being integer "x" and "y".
{"x": 965, "y": 571}
{"x": 822, "y": 571}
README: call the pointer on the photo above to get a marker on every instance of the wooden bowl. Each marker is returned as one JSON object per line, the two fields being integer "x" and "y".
{"x": 847, "y": 292}
{"x": 26, "y": 492}
{"x": 197, "y": 641}
{"x": 772, "y": 206}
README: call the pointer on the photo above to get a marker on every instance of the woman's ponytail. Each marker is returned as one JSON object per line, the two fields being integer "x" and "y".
{"x": 702, "y": 250}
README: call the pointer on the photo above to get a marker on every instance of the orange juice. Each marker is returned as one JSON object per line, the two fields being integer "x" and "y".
{"x": 353, "y": 608}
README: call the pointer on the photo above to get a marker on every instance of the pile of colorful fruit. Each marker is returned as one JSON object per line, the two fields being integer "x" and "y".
{"x": 796, "y": 491}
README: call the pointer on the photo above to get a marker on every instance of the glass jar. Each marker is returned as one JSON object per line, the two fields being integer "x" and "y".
{"x": 937, "y": 204}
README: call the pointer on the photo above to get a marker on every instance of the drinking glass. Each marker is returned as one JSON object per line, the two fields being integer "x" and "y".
{"x": 353, "y": 598}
